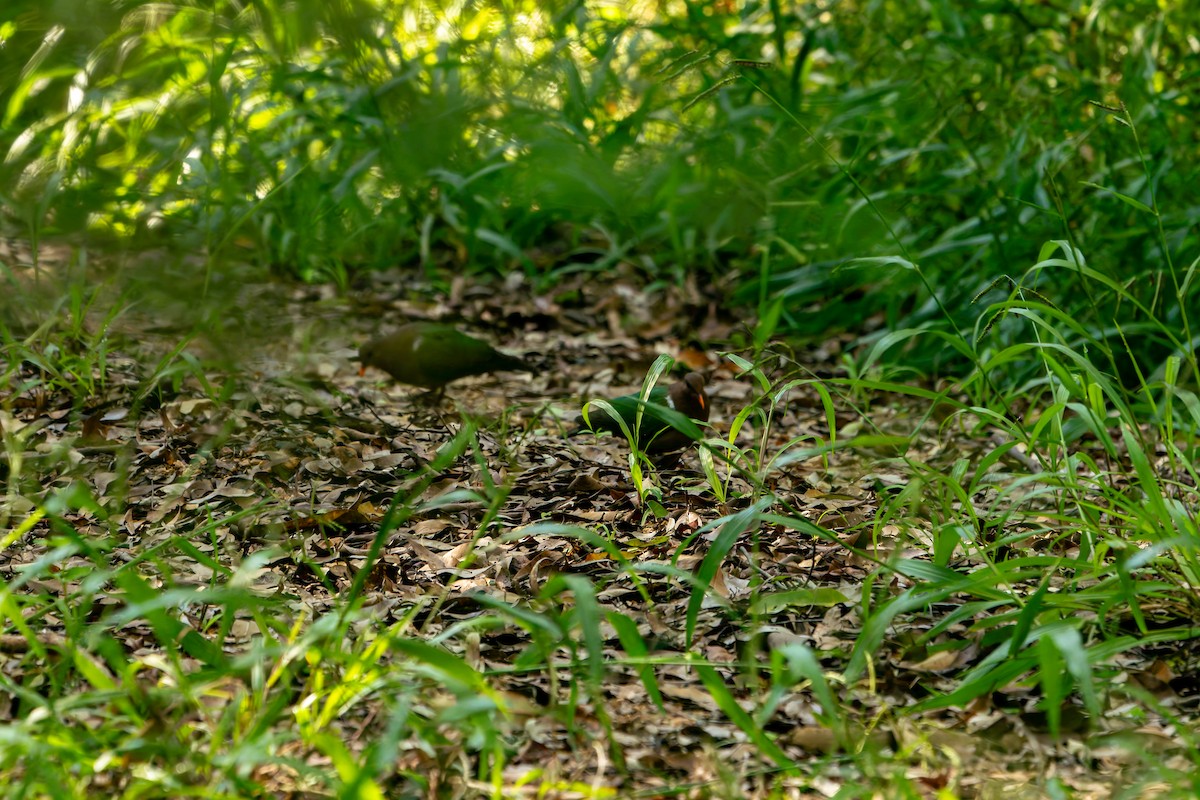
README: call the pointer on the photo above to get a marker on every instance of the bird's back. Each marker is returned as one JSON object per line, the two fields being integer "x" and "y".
{"x": 431, "y": 355}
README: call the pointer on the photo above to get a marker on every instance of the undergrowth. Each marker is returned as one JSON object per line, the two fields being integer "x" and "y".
{"x": 1034, "y": 546}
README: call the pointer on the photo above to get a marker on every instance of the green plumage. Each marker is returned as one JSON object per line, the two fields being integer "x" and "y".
{"x": 431, "y": 355}
{"x": 666, "y": 416}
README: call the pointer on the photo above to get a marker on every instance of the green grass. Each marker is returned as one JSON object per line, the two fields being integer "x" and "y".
{"x": 971, "y": 532}
{"x": 321, "y": 143}
{"x": 1034, "y": 554}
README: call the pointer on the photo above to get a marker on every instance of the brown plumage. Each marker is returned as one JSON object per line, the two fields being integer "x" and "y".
{"x": 431, "y": 355}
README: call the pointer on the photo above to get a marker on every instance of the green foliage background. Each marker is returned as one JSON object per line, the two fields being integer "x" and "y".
{"x": 333, "y": 137}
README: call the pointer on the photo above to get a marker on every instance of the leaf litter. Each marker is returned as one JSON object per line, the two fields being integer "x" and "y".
{"x": 275, "y": 476}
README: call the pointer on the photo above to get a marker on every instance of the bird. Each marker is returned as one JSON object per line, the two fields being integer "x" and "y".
{"x": 666, "y": 418}
{"x": 433, "y": 354}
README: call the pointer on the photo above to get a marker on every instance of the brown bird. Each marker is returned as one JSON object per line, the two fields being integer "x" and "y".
{"x": 431, "y": 355}
{"x": 667, "y": 416}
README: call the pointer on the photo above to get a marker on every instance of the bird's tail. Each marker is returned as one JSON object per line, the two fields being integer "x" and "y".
{"x": 507, "y": 363}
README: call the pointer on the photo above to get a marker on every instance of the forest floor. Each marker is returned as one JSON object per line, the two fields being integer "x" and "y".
{"x": 274, "y": 466}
